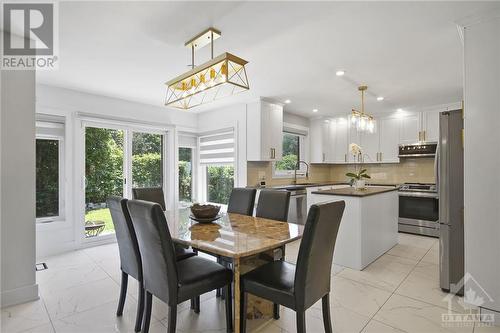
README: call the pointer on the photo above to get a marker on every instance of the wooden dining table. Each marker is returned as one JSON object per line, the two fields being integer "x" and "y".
{"x": 245, "y": 241}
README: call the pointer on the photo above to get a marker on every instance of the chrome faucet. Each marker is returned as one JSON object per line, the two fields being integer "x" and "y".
{"x": 297, "y": 167}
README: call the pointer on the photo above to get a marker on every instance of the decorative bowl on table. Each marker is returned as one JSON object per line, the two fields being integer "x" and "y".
{"x": 204, "y": 213}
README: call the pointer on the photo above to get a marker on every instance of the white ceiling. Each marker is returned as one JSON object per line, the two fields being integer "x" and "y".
{"x": 410, "y": 53}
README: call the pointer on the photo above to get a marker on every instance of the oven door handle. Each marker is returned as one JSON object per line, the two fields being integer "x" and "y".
{"x": 419, "y": 195}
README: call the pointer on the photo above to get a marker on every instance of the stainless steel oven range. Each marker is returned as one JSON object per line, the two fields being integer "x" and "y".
{"x": 419, "y": 209}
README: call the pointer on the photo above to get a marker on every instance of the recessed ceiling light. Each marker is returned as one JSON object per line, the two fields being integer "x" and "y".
{"x": 288, "y": 101}
{"x": 380, "y": 98}
{"x": 340, "y": 73}
{"x": 327, "y": 120}
{"x": 400, "y": 110}
{"x": 315, "y": 110}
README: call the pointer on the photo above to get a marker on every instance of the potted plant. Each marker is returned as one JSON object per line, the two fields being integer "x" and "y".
{"x": 358, "y": 179}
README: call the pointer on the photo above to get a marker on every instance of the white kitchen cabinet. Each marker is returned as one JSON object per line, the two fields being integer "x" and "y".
{"x": 370, "y": 143}
{"x": 320, "y": 141}
{"x": 389, "y": 132}
{"x": 264, "y": 131}
{"x": 339, "y": 132}
{"x": 430, "y": 126}
{"x": 410, "y": 128}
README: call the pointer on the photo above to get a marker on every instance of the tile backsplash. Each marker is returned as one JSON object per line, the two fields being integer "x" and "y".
{"x": 420, "y": 170}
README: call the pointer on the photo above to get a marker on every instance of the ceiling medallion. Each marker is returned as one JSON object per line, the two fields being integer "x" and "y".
{"x": 363, "y": 122}
{"x": 219, "y": 77}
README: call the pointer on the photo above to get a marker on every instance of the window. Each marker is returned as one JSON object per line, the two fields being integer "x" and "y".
{"x": 185, "y": 176}
{"x": 217, "y": 156}
{"x": 49, "y": 168}
{"x": 220, "y": 182}
{"x": 147, "y": 159}
{"x": 47, "y": 178}
{"x": 293, "y": 151}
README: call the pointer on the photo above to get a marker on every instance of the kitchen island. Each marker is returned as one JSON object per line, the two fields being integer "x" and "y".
{"x": 369, "y": 227}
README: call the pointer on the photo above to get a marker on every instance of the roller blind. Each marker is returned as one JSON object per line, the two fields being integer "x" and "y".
{"x": 217, "y": 148}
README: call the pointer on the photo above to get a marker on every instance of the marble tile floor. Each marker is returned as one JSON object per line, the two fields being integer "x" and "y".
{"x": 399, "y": 292}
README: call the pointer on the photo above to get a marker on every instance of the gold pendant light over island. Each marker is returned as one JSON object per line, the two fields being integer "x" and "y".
{"x": 363, "y": 122}
{"x": 217, "y": 78}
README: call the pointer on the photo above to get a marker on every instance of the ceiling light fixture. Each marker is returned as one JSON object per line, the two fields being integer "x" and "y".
{"x": 340, "y": 73}
{"x": 315, "y": 110}
{"x": 362, "y": 121}
{"x": 288, "y": 101}
{"x": 380, "y": 98}
{"x": 399, "y": 110}
{"x": 219, "y": 77}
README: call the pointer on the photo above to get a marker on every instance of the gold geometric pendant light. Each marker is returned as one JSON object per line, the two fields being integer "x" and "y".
{"x": 217, "y": 78}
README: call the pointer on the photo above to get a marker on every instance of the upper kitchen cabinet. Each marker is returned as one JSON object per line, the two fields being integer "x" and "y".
{"x": 430, "y": 126}
{"x": 389, "y": 132}
{"x": 264, "y": 131}
{"x": 329, "y": 140}
{"x": 420, "y": 126}
{"x": 321, "y": 141}
{"x": 340, "y": 132}
{"x": 410, "y": 128}
{"x": 370, "y": 143}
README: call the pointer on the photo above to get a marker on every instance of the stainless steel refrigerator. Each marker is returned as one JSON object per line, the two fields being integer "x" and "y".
{"x": 451, "y": 200}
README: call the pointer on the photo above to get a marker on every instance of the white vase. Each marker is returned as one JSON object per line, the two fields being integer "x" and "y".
{"x": 359, "y": 184}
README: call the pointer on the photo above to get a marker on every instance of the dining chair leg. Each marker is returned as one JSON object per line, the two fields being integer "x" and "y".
{"x": 197, "y": 304}
{"x": 140, "y": 308}
{"x": 229, "y": 309}
{"x": 218, "y": 292}
{"x": 148, "y": 305}
{"x": 123, "y": 294}
{"x": 301, "y": 321}
{"x": 172, "y": 318}
{"x": 243, "y": 311}
{"x": 327, "y": 320}
{"x": 276, "y": 311}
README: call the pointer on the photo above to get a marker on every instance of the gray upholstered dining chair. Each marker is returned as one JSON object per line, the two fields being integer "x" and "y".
{"x": 153, "y": 194}
{"x": 172, "y": 281}
{"x": 273, "y": 204}
{"x": 299, "y": 286}
{"x": 241, "y": 201}
{"x": 130, "y": 257}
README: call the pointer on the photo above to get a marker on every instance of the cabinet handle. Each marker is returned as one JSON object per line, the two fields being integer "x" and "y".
{"x": 274, "y": 153}
{"x": 380, "y": 156}
{"x": 345, "y": 158}
{"x": 323, "y": 157}
{"x": 425, "y": 135}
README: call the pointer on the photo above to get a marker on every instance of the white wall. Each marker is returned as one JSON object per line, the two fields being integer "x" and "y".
{"x": 482, "y": 158}
{"x": 65, "y": 235}
{"x": 17, "y": 187}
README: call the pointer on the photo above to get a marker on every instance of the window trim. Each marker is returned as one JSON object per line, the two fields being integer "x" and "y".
{"x": 301, "y": 172}
{"x": 61, "y": 179}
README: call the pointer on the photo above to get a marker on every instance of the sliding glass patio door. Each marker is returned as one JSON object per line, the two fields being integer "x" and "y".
{"x": 118, "y": 159}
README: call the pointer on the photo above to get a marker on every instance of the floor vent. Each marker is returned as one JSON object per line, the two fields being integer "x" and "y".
{"x": 41, "y": 266}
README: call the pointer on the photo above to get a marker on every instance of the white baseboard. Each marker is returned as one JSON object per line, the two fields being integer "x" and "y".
{"x": 19, "y": 295}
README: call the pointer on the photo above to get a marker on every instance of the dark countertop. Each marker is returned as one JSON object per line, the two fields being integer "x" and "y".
{"x": 351, "y": 192}
{"x": 300, "y": 186}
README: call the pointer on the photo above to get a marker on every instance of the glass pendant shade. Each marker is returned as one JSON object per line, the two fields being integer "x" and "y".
{"x": 220, "y": 77}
